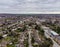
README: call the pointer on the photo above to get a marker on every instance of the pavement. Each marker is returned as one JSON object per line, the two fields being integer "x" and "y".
{"x": 29, "y": 40}
{"x": 55, "y": 44}
{"x": 21, "y": 44}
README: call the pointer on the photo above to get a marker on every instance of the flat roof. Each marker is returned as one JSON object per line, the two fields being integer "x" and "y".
{"x": 54, "y": 33}
{"x": 47, "y": 28}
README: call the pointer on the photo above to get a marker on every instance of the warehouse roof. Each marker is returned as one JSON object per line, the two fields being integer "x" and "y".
{"x": 54, "y": 33}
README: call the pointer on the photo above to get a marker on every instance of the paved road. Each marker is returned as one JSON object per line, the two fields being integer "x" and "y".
{"x": 38, "y": 35}
{"x": 55, "y": 43}
{"x": 29, "y": 40}
{"x": 21, "y": 44}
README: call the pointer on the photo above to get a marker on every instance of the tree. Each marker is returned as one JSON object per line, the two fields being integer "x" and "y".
{"x": 32, "y": 40}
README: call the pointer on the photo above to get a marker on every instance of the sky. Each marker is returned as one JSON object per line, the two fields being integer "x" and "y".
{"x": 29, "y": 6}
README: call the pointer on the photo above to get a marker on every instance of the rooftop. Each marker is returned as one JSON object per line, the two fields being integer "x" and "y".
{"x": 54, "y": 33}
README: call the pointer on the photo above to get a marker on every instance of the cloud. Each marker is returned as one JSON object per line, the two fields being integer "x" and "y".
{"x": 18, "y": 6}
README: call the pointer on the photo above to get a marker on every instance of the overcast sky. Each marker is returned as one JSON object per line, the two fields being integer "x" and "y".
{"x": 21, "y": 6}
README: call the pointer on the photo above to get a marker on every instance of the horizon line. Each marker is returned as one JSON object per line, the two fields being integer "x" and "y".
{"x": 29, "y": 12}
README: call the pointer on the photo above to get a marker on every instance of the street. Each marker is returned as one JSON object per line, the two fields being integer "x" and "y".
{"x": 55, "y": 44}
{"x": 29, "y": 40}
